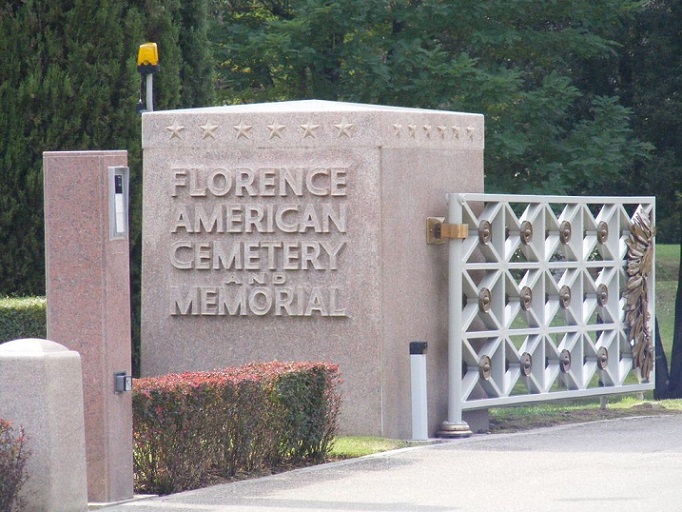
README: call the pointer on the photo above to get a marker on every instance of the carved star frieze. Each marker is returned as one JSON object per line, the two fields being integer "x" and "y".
{"x": 470, "y": 133}
{"x": 442, "y": 131}
{"x": 175, "y": 130}
{"x": 276, "y": 130}
{"x": 309, "y": 130}
{"x": 208, "y": 130}
{"x": 243, "y": 130}
{"x": 427, "y": 130}
{"x": 455, "y": 132}
{"x": 412, "y": 130}
{"x": 344, "y": 128}
{"x": 396, "y": 129}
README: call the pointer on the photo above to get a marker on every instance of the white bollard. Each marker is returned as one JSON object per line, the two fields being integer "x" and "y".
{"x": 420, "y": 419}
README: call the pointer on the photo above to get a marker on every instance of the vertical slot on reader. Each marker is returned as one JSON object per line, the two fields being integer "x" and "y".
{"x": 118, "y": 202}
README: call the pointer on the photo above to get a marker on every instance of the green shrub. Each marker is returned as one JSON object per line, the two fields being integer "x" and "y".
{"x": 22, "y": 318}
{"x": 190, "y": 427}
{"x": 13, "y": 457}
{"x": 308, "y": 409}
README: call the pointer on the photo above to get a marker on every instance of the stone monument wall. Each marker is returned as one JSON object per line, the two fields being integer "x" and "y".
{"x": 296, "y": 231}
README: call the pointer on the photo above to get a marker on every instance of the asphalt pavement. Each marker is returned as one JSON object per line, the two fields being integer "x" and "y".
{"x": 623, "y": 465}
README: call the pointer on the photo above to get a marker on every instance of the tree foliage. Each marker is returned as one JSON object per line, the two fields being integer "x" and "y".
{"x": 580, "y": 97}
{"x": 519, "y": 63}
{"x": 650, "y": 79}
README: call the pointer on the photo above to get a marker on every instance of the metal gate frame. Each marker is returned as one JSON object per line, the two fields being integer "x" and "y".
{"x": 548, "y": 299}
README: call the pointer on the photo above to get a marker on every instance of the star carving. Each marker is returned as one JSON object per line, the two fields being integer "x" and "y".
{"x": 243, "y": 130}
{"x": 344, "y": 128}
{"x": 175, "y": 130}
{"x": 276, "y": 130}
{"x": 309, "y": 130}
{"x": 208, "y": 130}
{"x": 433, "y": 132}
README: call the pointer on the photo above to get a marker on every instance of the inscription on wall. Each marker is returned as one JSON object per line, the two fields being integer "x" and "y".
{"x": 269, "y": 240}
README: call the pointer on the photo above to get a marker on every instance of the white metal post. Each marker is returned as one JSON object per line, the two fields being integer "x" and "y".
{"x": 420, "y": 419}
{"x": 150, "y": 92}
{"x": 455, "y": 426}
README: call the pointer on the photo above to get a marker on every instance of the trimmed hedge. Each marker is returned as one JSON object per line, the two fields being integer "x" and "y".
{"x": 13, "y": 457}
{"x": 193, "y": 427}
{"x": 22, "y": 318}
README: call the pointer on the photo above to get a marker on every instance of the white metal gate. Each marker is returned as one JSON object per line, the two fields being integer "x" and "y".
{"x": 550, "y": 297}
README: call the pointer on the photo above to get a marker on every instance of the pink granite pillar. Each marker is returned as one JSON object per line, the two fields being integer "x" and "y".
{"x": 88, "y": 304}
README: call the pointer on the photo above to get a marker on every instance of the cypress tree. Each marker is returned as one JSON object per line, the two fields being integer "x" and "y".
{"x": 69, "y": 82}
{"x": 196, "y": 73}
{"x": 26, "y": 31}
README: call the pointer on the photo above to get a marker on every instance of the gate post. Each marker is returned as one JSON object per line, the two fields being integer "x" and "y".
{"x": 454, "y": 426}
{"x": 88, "y": 302}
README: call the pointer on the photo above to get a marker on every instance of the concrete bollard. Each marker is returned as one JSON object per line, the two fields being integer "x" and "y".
{"x": 420, "y": 417}
{"x": 41, "y": 389}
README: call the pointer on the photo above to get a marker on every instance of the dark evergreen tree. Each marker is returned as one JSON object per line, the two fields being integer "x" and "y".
{"x": 69, "y": 82}
{"x": 31, "y": 77}
{"x": 649, "y": 79}
{"x": 196, "y": 73}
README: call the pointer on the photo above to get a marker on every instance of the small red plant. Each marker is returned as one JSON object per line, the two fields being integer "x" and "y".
{"x": 13, "y": 457}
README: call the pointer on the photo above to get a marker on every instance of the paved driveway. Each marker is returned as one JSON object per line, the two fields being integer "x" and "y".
{"x": 623, "y": 465}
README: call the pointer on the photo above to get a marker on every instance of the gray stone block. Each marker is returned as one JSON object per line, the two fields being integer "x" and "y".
{"x": 296, "y": 231}
{"x": 41, "y": 389}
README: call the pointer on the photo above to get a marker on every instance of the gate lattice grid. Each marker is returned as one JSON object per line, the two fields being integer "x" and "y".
{"x": 536, "y": 300}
